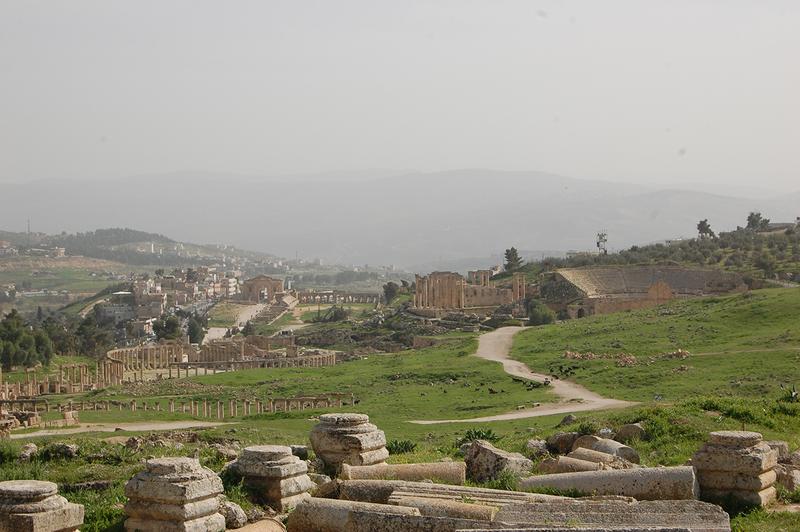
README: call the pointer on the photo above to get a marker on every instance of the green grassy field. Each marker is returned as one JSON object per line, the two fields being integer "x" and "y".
{"x": 745, "y": 345}
{"x": 743, "y": 348}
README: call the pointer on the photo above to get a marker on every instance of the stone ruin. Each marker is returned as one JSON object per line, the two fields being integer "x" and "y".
{"x": 279, "y": 478}
{"x": 736, "y": 467}
{"x": 36, "y": 506}
{"x": 348, "y": 439}
{"x": 174, "y": 494}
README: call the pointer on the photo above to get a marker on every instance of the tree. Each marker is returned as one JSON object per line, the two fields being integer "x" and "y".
{"x": 539, "y": 313}
{"x": 390, "y": 291}
{"x": 755, "y": 222}
{"x": 196, "y": 332}
{"x": 169, "y": 329}
{"x": 248, "y": 330}
{"x": 704, "y": 229}
{"x": 513, "y": 260}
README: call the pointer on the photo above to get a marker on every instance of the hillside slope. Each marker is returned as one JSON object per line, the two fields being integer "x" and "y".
{"x": 742, "y": 345}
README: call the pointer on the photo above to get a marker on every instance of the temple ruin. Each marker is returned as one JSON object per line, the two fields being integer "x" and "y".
{"x": 441, "y": 292}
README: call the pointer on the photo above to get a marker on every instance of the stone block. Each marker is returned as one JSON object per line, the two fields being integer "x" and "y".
{"x": 446, "y": 508}
{"x": 656, "y": 483}
{"x": 561, "y": 442}
{"x": 35, "y": 506}
{"x": 783, "y": 449}
{"x": 787, "y": 477}
{"x": 735, "y": 439}
{"x": 565, "y": 464}
{"x": 722, "y": 480}
{"x": 764, "y": 497}
{"x": 444, "y": 472}
{"x": 630, "y": 432}
{"x": 331, "y": 515}
{"x": 174, "y": 494}
{"x": 348, "y": 438}
{"x": 591, "y": 455}
{"x": 747, "y": 460}
{"x": 280, "y": 478}
{"x": 486, "y": 462}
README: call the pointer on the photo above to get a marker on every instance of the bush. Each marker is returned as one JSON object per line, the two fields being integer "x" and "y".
{"x": 539, "y": 313}
{"x": 477, "y": 434}
{"x": 401, "y": 446}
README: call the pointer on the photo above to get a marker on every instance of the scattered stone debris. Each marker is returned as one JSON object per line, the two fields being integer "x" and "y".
{"x": 537, "y": 448}
{"x": 27, "y": 452}
{"x": 486, "y": 462}
{"x": 233, "y": 514}
{"x": 631, "y": 432}
{"x": 444, "y": 472}
{"x": 561, "y": 442}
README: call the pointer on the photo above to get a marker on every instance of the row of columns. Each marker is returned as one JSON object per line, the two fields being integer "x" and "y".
{"x": 440, "y": 290}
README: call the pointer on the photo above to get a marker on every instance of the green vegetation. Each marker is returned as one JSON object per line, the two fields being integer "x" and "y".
{"x": 745, "y": 345}
{"x": 21, "y": 346}
{"x": 224, "y": 314}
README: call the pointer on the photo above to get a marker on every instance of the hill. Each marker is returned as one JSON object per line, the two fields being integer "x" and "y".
{"x": 746, "y": 345}
{"x": 451, "y": 215}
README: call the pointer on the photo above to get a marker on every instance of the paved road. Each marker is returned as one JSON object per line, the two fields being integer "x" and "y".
{"x": 495, "y": 346}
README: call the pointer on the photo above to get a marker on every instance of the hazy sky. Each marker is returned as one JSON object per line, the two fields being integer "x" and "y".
{"x": 644, "y": 91}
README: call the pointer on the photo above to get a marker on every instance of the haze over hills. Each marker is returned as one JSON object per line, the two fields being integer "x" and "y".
{"x": 405, "y": 219}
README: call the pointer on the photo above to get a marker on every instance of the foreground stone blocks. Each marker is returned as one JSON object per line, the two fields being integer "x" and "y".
{"x": 486, "y": 462}
{"x": 174, "y": 495}
{"x": 445, "y": 472}
{"x": 651, "y": 483}
{"x": 331, "y": 515}
{"x": 348, "y": 439}
{"x": 36, "y": 506}
{"x": 736, "y": 467}
{"x": 279, "y": 477}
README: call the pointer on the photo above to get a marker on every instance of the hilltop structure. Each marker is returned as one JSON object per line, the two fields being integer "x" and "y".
{"x": 586, "y": 291}
{"x": 441, "y": 292}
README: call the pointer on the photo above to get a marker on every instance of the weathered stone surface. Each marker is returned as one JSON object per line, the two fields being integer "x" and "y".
{"x": 656, "y": 483}
{"x": 565, "y": 464}
{"x": 794, "y": 458}
{"x": 35, "y": 506}
{"x": 319, "y": 479}
{"x": 63, "y": 450}
{"x": 446, "y": 508}
{"x": 561, "y": 442}
{"x": 174, "y": 494}
{"x": 27, "y": 452}
{"x": 582, "y": 453}
{"x": 749, "y": 460}
{"x": 735, "y": 439}
{"x": 264, "y": 525}
{"x": 233, "y": 514}
{"x": 280, "y": 478}
{"x": 536, "y": 448}
{"x": 764, "y": 497}
{"x": 592, "y": 515}
{"x": 445, "y": 472}
{"x": 605, "y": 445}
{"x": 630, "y": 432}
{"x": 331, "y": 515}
{"x": 783, "y": 449}
{"x": 300, "y": 451}
{"x": 569, "y": 419}
{"x": 486, "y": 462}
{"x": 787, "y": 476}
{"x": 379, "y": 491}
{"x": 737, "y": 481}
{"x": 348, "y": 438}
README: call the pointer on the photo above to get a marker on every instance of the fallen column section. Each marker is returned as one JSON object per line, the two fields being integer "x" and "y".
{"x": 652, "y": 483}
{"x": 36, "y": 506}
{"x": 174, "y": 494}
{"x": 444, "y": 472}
{"x": 331, "y": 515}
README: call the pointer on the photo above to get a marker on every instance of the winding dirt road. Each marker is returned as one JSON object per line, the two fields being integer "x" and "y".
{"x": 495, "y": 346}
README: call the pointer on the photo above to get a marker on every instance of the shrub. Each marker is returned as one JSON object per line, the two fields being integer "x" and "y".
{"x": 401, "y": 446}
{"x": 539, "y": 313}
{"x": 477, "y": 434}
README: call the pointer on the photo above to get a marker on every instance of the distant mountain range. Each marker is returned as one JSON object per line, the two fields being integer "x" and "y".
{"x": 413, "y": 218}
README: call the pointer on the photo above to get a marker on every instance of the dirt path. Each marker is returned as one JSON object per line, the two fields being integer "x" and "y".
{"x": 495, "y": 346}
{"x": 144, "y": 426}
{"x": 247, "y": 313}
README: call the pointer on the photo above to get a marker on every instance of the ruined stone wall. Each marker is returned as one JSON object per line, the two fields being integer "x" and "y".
{"x": 482, "y": 296}
{"x": 252, "y": 289}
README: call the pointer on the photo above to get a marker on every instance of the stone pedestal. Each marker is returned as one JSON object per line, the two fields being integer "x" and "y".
{"x": 736, "y": 467}
{"x": 36, "y": 506}
{"x": 172, "y": 495}
{"x": 279, "y": 478}
{"x": 349, "y": 439}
